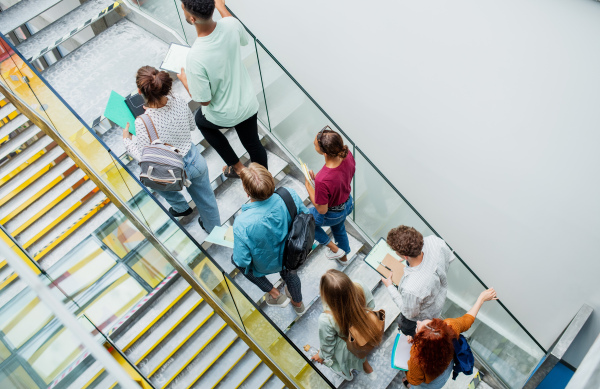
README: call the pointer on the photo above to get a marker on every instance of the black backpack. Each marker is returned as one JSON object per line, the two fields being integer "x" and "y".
{"x": 301, "y": 234}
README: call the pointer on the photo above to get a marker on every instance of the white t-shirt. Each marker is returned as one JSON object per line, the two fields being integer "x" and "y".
{"x": 216, "y": 73}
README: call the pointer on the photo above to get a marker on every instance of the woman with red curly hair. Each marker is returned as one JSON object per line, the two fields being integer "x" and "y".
{"x": 432, "y": 352}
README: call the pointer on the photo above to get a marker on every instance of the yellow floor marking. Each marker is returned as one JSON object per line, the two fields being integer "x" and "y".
{"x": 93, "y": 379}
{"x": 267, "y": 380}
{"x": 8, "y": 280}
{"x": 28, "y": 182}
{"x": 22, "y": 167}
{"x": 41, "y": 213}
{"x": 50, "y": 226}
{"x": 160, "y": 315}
{"x": 212, "y": 363}
{"x": 68, "y": 232}
{"x": 249, "y": 373}
{"x": 196, "y": 354}
{"x": 180, "y": 344}
{"x": 169, "y": 331}
{"x": 228, "y": 370}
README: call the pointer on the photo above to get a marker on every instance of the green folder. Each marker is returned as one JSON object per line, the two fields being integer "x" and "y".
{"x": 118, "y": 112}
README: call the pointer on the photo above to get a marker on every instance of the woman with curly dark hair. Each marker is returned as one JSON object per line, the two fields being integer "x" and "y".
{"x": 432, "y": 351}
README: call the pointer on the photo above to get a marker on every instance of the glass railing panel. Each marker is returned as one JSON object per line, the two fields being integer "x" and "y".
{"x": 165, "y": 11}
{"x": 251, "y": 61}
{"x": 377, "y": 211}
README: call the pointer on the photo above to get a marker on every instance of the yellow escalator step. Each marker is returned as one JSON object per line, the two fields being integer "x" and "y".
{"x": 196, "y": 354}
{"x": 212, "y": 363}
{"x": 169, "y": 331}
{"x": 46, "y": 249}
{"x": 31, "y": 180}
{"x": 228, "y": 370}
{"x": 180, "y": 344}
{"x": 248, "y": 375}
{"x": 161, "y": 314}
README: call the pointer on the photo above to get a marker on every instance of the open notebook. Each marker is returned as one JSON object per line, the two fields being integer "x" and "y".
{"x": 384, "y": 260}
{"x": 175, "y": 58}
{"x": 401, "y": 353}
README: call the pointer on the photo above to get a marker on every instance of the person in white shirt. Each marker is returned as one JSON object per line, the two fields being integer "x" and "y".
{"x": 215, "y": 76}
{"x": 422, "y": 290}
{"x": 174, "y": 121}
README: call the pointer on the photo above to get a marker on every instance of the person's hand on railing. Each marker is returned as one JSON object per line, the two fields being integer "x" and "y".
{"x": 317, "y": 358}
{"x": 488, "y": 295}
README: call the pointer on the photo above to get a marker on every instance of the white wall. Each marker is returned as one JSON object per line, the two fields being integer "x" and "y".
{"x": 484, "y": 114}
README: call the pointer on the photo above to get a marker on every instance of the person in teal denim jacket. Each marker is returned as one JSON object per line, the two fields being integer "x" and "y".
{"x": 260, "y": 233}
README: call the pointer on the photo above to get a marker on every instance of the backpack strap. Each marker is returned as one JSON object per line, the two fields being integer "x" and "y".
{"x": 289, "y": 202}
{"x": 149, "y": 125}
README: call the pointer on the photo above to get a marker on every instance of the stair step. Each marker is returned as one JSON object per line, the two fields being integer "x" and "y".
{"x": 71, "y": 208}
{"x": 165, "y": 326}
{"x": 316, "y": 265}
{"x": 11, "y": 126}
{"x": 226, "y": 365}
{"x": 104, "y": 381}
{"x": 40, "y": 178}
{"x": 22, "y": 12}
{"x": 258, "y": 378}
{"x": 163, "y": 304}
{"x": 243, "y": 371}
{"x": 231, "y": 195}
{"x": 176, "y": 339}
{"x": 69, "y": 226}
{"x": 25, "y": 159}
{"x": 21, "y": 141}
{"x": 7, "y": 110}
{"x": 52, "y": 199}
{"x": 360, "y": 271}
{"x": 204, "y": 360}
{"x": 273, "y": 383}
{"x": 383, "y": 300}
{"x": 87, "y": 377}
{"x": 47, "y": 38}
{"x": 213, "y": 335}
{"x": 95, "y": 63}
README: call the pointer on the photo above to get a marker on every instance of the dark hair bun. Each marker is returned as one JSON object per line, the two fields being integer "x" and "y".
{"x": 153, "y": 84}
{"x": 333, "y": 145}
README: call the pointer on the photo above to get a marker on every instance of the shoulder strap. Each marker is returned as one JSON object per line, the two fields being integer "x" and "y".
{"x": 288, "y": 200}
{"x": 149, "y": 125}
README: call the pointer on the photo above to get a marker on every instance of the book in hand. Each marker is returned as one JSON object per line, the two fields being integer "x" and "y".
{"x": 119, "y": 113}
{"x": 135, "y": 103}
{"x": 401, "y": 353}
{"x": 391, "y": 265}
{"x": 175, "y": 58}
{"x": 384, "y": 260}
{"x": 306, "y": 172}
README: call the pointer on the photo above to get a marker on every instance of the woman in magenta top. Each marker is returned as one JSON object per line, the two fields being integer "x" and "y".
{"x": 331, "y": 195}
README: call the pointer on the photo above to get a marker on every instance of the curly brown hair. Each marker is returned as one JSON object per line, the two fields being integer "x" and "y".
{"x": 405, "y": 241}
{"x": 434, "y": 348}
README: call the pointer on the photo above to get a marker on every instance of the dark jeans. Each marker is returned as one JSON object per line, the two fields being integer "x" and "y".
{"x": 406, "y": 326}
{"x": 289, "y": 276}
{"x": 246, "y": 130}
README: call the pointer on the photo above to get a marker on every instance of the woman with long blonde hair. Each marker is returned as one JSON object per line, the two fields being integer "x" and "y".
{"x": 346, "y": 304}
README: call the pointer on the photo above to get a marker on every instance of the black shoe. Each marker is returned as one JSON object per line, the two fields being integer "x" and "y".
{"x": 201, "y": 224}
{"x": 184, "y": 213}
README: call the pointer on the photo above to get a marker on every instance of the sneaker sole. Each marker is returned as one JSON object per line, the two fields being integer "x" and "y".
{"x": 282, "y": 305}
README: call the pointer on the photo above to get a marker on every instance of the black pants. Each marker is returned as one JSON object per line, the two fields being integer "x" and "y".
{"x": 246, "y": 130}
{"x": 406, "y": 326}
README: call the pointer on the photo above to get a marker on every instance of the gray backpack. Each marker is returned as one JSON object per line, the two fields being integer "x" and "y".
{"x": 162, "y": 164}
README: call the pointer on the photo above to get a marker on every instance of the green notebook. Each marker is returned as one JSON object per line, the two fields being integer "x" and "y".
{"x": 118, "y": 112}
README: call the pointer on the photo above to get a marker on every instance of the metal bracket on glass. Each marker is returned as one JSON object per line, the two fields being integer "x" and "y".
{"x": 560, "y": 347}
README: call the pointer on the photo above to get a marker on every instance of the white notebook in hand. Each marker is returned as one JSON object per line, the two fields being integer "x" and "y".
{"x": 176, "y": 58}
{"x": 401, "y": 352}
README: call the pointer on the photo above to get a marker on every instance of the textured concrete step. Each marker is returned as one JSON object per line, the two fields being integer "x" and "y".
{"x": 272, "y": 383}
{"x": 316, "y": 265}
{"x": 7, "y": 110}
{"x": 383, "y": 300}
{"x": 22, "y": 12}
{"x": 243, "y": 370}
{"x": 176, "y": 339}
{"x": 258, "y": 378}
{"x": 226, "y": 366}
{"x": 360, "y": 271}
{"x": 49, "y": 35}
{"x": 152, "y": 314}
{"x": 23, "y": 160}
{"x": 207, "y": 342}
{"x": 124, "y": 47}
{"x": 105, "y": 381}
{"x": 24, "y": 138}
{"x": 94, "y": 371}
{"x": 162, "y": 328}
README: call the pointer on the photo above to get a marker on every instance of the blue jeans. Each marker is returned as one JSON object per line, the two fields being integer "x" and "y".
{"x": 336, "y": 221}
{"x": 440, "y": 381}
{"x": 200, "y": 190}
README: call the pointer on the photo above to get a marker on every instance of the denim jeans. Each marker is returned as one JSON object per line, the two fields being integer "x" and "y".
{"x": 336, "y": 221}
{"x": 200, "y": 190}
{"x": 440, "y": 381}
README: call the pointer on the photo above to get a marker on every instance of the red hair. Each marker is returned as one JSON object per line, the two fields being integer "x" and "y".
{"x": 434, "y": 348}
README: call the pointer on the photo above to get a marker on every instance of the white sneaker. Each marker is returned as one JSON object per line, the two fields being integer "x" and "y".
{"x": 372, "y": 376}
{"x": 331, "y": 255}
